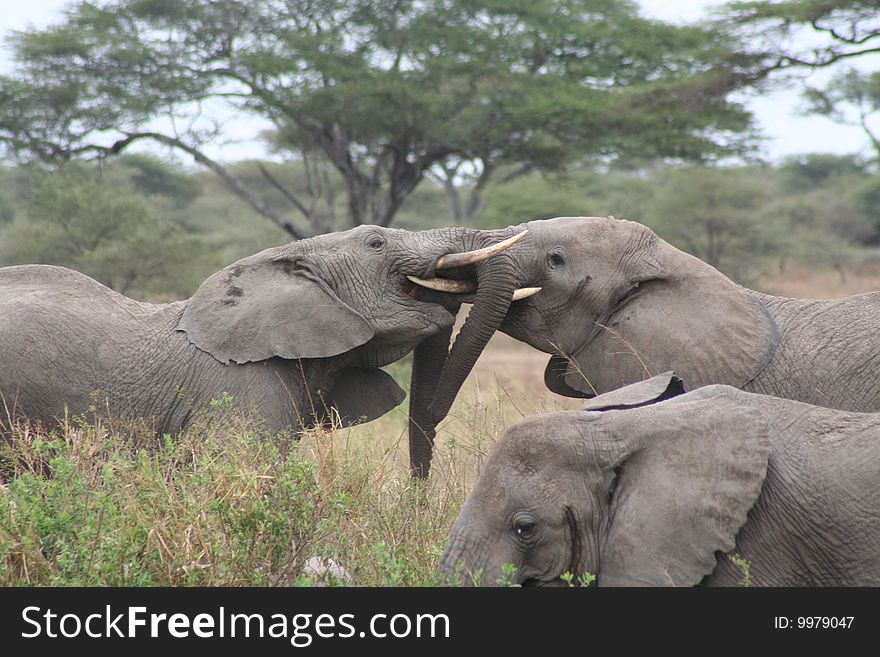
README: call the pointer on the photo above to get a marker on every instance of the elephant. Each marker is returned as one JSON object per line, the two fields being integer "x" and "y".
{"x": 650, "y": 485}
{"x": 619, "y": 304}
{"x": 296, "y": 333}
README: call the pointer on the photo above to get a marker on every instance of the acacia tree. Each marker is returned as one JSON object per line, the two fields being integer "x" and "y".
{"x": 851, "y": 97}
{"x": 807, "y": 33}
{"x": 791, "y": 35}
{"x": 384, "y": 92}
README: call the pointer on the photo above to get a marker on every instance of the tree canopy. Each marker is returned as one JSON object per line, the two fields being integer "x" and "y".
{"x": 813, "y": 33}
{"x": 850, "y": 97}
{"x": 786, "y": 36}
{"x": 105, "y": 227}
{"x": 381, "y": 93}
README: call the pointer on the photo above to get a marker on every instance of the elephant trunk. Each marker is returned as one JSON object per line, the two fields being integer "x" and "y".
{"x": 496, "y": 283}
{"x": 461, "y": 563}
{"x": 428, "y": 361}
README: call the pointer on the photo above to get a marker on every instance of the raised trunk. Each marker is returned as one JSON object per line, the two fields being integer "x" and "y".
{"x": 496, "y": 284}
{"x": 496, "y": 281}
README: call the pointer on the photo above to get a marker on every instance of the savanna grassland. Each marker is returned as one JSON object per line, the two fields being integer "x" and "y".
{"x": 102, "y": 504}
{"x": 489, "y": 116}
{"x": 99, "y": 504}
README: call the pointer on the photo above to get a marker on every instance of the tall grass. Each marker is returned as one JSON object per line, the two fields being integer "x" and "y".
{"x": 98, "y": 504}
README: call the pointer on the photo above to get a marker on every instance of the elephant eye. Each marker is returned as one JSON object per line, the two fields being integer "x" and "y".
{"x": 524, "y": 529}
{"x": 556, "y": 258}
{"x": 376, "y": 242}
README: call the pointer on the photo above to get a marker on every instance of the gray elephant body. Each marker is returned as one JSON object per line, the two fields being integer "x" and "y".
{"x": 827, "y": 352}
{"x": 126, "y": 358}
{"x": 817, "y": 519}
{"x": 649, "y": 494}
{"x": 619, "y": 304}
{"x": 294, "y": 334}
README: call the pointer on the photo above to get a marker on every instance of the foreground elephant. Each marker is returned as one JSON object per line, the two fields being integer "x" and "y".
{"x": 652, "y": 494}
{"x": 289, "y": 333}
{"x": 619, "y": 304}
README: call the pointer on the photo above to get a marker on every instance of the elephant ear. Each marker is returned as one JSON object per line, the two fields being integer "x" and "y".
{"x": 685, "y": 316}
{"x": 361, "y": 395}
{"x": 266, "y": 306}
{"x": 656, "y": 389}
{"x": 685, "y": 490}
{"x": 555, "y": 378}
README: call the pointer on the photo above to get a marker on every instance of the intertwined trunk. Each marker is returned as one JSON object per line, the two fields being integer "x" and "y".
{"x": 432, "y": 397}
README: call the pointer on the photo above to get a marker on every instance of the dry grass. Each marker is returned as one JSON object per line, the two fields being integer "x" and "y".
{"x": 410, "y": 520}
{"x": 799, "y": 281}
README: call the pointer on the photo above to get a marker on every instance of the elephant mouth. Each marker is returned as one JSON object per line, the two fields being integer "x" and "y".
{"x": 448, "y": 302}
{"x": 452, "y": 279}
{"x": 462, "y": 290}
{"x": 450, "y": 291}
{"x": 459, "y": 285}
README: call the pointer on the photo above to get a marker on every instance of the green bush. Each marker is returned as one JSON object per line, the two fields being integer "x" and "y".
{"x": 152, "y": 176}
{"x": 532, "y": 197}
{"x": 100, "y": 228}
{"x": 213, "y": 507}
{"x": 98, "y": 503}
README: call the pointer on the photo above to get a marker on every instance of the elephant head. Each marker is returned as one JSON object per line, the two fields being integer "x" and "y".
{"x": 635, "y": 492}
{"x": 618, "y": 304}
{"x": 347, "y": 297}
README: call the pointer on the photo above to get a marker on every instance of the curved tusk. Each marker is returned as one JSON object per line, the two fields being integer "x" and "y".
{"x": 471, "y": 257}
{"x": 444, "y": 284}
{"x": 518, "y": 295}
{"x": 466, "y": 287}
{"x": 524, "y": 293}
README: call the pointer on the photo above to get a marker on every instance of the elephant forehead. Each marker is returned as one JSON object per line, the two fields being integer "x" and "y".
{"x": 538, "y": 441}
{"x": 576, "y": 226}
{"x": 340, "y": 240}
{"x": 514, "y": 484}
{"x": 360, "y": 232}
{"x": 561, "y": 224}
{"x": 588, "y": 236}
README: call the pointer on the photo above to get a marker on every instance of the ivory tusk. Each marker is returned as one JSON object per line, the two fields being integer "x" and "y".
{"x": 471, "y": 257}
{"x": 524, "y": 293}
{"x": 444, "y": 284}
{"x": 518, "y": 295}
{"x": 466, "y": 287}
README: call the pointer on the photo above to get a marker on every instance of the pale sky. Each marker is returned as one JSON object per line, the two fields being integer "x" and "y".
{"x": 776, "y": 113}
